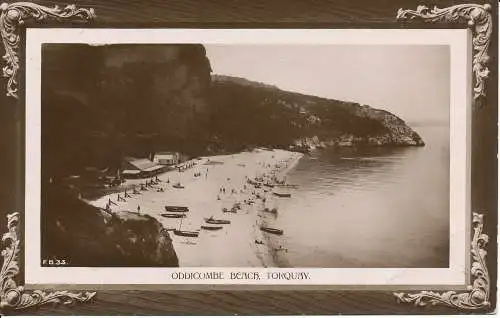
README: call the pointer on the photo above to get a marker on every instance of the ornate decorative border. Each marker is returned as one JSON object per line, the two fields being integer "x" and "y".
{"x": 477, "y": 294}
{"x": 475, "y": 297}
{"x": 13, "y": 16}
{"x": 14, "y": 297}
{"x": 479, "y": 20}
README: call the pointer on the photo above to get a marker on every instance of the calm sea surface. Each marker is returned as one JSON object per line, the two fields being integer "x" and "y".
{"x": 378, "y": 207}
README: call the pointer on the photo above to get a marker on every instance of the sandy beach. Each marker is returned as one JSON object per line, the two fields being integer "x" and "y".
{"x": 211, "y": 185}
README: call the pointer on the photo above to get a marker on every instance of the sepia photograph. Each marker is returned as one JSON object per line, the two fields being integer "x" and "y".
{"x": 221, "y": 155}
{"x": 251, "y": 158}
{"x": 264, "y": 158}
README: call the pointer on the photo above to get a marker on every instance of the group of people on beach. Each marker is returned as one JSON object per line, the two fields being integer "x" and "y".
{"x": 185, "y": 166}
{"x": 254, "y": 194}
{"x": 198, "y": 174}
{"x": 151, "y": 184}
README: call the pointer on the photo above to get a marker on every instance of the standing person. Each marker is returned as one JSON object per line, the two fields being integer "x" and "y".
{"x": 138, "y": 209}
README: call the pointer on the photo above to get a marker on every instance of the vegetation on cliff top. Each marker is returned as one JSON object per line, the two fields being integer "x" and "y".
{"x": 246, "y": 114}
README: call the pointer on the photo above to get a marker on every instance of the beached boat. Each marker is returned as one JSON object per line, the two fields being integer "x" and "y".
{"x": 173, "y": 215}
{"x": 293, "y": 186}
{"x": 211, "y": 220}
{"x": 211, "y": 227}
{"x": 271, "y": 230}
{"x": 178, "y": 186}
{"x": 282, "y": 194}
{"x": 173, "y": 208}
{"x": 254, "y": 182}
{"x": 273, "y": 210}
{"x": 232, "y": 210}
{"x": 165, "y": 231}
{"x": 187, "y": 233}
{"x": 180, "y": 232}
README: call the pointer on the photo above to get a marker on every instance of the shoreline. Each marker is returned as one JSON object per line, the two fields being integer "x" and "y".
{"x": 202, "y": 193}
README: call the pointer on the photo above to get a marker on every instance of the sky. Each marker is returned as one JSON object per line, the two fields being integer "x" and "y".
{"x": 410, "y": 81}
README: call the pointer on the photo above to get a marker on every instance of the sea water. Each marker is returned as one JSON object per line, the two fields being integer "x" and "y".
{"x": 371, "y": 207}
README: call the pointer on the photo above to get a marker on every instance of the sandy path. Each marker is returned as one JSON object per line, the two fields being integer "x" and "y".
{"x": 234, "y": 245}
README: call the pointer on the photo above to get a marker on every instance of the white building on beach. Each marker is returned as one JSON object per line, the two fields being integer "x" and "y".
{"x": 167, "y": 158}
{"x": 140, "y": 168}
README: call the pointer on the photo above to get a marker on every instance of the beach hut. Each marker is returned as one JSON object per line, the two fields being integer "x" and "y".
{"x": 140, "y": 167}
{"x": 131, "y": 173}
{"x": 167, "y": 158}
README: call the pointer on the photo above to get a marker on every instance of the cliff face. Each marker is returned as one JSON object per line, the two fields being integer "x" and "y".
{"x": 100, "y": 103}
{"x": 83, "y": 235}
{"x": 115, "y": 100}
{"x": 247, "y": 114}
{"x": 398, "y": 133}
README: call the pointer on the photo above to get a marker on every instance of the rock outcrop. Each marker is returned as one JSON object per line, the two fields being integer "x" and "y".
{"x": 398, "y": 132}
{"x": 83, "y": 235}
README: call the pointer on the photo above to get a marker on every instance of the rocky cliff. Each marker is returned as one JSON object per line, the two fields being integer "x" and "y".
{"x": 247, "y": 114}
{"x": 115, "y": 100}
{"x": 83, "y": 235}
{"x": 100, "y": 103}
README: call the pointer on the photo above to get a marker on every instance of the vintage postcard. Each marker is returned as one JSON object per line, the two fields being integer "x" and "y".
{"x": 240, "y": 157}
{"x": 252, "y": 159}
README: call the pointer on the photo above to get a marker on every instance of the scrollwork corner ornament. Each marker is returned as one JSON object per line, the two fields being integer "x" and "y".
{"x": 14, "y": 297}
{"x": 13, "y": 16}
{"x": 477, "y": 295}
{"x": 479, "y": 21}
